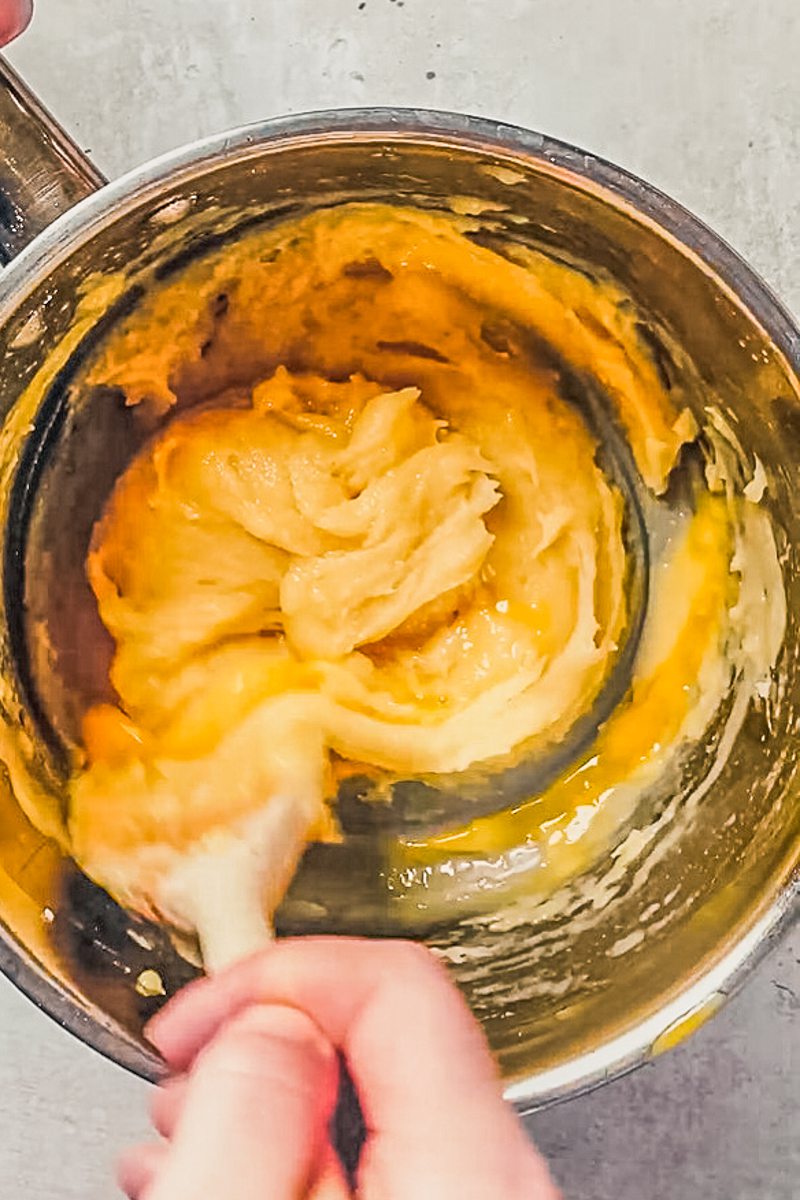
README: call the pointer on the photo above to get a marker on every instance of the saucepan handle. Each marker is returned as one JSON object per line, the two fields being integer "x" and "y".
{"x": 42, "y": 170}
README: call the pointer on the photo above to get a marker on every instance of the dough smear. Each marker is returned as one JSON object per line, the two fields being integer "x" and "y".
{"x": 368, "y": 528}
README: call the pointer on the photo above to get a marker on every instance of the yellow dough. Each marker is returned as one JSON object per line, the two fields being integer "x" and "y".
{"x": 367, "y": 524}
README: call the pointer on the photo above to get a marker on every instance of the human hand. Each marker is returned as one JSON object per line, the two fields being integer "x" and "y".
{"x": 254, "y": 1079}
{"x": 14, "y": 17}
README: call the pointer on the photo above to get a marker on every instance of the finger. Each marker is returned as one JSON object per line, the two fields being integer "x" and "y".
{"x": 254, "y": 1116}
{"x": 167, "y": 1104}
{"x": 427, "y": 1082}
{"x": 333, "y": 976}
{"x": 355, "y": 990}
{"x": 137, "y": 1168}
{"x": 15, "y": 16}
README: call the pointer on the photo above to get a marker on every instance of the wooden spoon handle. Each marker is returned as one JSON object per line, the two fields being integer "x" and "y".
{"x": 226, "y": 891}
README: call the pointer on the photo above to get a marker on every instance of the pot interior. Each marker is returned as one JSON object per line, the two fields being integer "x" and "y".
{"x": 554, "y": 983}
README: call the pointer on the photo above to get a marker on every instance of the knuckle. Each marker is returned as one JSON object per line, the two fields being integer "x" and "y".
{"x": 260, "y": 1030}
{"x": 412, "y": 959}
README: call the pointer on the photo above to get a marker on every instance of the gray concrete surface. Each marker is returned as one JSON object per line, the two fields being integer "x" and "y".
{"x": 700, "y": 96}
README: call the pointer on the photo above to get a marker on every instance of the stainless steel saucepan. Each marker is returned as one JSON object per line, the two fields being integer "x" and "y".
{"x": 582, "y": 991}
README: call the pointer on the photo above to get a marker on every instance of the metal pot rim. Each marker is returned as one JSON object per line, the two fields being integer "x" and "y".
{"x": 710, "y": 252}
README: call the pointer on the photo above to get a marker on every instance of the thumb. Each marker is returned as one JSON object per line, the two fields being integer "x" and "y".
{"x": 253, "y": 1123}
